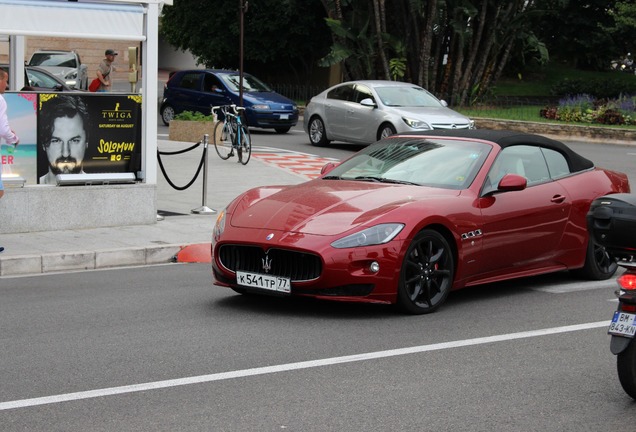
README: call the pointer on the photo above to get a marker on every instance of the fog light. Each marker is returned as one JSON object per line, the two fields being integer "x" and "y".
{"x": 374, "y": 267}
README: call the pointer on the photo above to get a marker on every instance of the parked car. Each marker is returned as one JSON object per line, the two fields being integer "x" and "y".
{"x": 37, "y": 79}
{"x": 64, "y": 64}
{"x": 412, "y": 217}
{"x": 366, "y": 111}
{"x": 200, "y": 89}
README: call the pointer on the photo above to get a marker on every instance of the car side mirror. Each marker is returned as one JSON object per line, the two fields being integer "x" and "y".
{"x": 512, "y": 182}
{"x": 444, "y": 103}
{"x": 368, "y": 102}
{"x": 327, "y": 168}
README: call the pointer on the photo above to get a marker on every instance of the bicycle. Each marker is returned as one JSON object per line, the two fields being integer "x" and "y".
{"x": 231, "y": 134}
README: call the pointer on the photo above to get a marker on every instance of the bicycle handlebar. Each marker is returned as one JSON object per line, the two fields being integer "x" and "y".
{"x": 225, "y": 108}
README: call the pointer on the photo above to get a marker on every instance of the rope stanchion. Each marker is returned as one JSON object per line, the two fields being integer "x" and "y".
{"x": 203, "y": 163}
{"x": 165, "y": 174}
{"x": 204, "y": 209}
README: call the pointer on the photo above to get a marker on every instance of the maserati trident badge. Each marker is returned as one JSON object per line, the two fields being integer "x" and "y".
{"x": 267, "y": 264}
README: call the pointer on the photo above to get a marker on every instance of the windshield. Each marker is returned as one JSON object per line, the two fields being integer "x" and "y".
{"x": 53, "y": 59}
{"x": 250, "y": 83}
{"x": 440, "y": 163}
{"x": 407, "y": 97}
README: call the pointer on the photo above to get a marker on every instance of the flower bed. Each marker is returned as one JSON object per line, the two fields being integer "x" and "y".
{"x": 585, "y": 109}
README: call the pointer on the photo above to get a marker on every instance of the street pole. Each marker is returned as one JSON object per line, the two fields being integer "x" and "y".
{"x": 242, "y": 9}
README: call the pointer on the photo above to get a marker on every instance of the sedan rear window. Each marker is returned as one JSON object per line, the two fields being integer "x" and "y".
{"x": 53, "y": 59}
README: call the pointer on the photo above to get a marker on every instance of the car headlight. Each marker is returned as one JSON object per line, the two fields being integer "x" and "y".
{"x": 416, "y": 124}
{"x": 375, "y": 235}
{"x": 71, "y": 75}
{"x": 219, "y": 226}
{"x": 262, "y": 107}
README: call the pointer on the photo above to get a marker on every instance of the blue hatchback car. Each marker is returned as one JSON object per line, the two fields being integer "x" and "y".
{"x": 200, "y": 89}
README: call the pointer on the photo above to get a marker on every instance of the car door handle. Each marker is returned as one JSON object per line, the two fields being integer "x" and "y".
{"x": 558, "y": 199}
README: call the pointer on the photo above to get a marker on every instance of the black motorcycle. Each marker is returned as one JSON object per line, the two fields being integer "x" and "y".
{"x": 623, "y": 329}
{"x": 612, "y": 224}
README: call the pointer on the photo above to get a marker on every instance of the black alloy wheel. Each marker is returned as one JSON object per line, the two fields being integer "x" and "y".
{"x": 427, "y": 273}
{"x": 599, "y": 263}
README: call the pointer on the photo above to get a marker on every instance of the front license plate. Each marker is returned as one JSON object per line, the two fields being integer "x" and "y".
{"x": 266, "y": 282}
{"x": 623, "y": 324}
{"x": 284, "y": 116}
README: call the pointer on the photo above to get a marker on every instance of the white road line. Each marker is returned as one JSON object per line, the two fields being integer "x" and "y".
{"x": 23, "y": 403}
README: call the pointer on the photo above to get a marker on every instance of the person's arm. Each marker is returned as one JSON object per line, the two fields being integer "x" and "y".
{"x": 5, "y": 131}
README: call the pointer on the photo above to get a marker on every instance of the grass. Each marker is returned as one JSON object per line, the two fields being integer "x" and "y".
{"x": 518, "y": 112}
{"x": 528, "y": 113}
{"x": 534, "y": 86}
{"x": 538, "y": 83}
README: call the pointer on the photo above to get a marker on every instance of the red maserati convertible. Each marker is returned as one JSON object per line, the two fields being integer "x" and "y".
{"x": 413, "y": 217}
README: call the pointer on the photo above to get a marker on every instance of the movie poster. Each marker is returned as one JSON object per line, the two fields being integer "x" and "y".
{"x": 88, "y": 133}
{"x": 20, "y": 160}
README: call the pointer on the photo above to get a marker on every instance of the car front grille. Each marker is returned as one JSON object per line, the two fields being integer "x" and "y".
{"x": 451, "y": 126}
{"x": 297, "y": 266}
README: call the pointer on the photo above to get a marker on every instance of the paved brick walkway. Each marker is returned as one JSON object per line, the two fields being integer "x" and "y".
{"x": 305, "y": 165}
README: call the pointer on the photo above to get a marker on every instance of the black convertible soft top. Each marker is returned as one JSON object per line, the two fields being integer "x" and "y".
{"x": 505, "y": 138}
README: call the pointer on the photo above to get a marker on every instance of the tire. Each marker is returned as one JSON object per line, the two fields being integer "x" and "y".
{"x": 599, "y": 264}
{"x": 427, "y": 273}
{"x": 282, "y": 130}
{"x": 385, "y": 131}
{"x": 245, "y": 146}
{"x": 222, "y": 140}
{"x": 317, "y": 132}
{"x": 167, "y": 114}
{"x": 626, "y": 367}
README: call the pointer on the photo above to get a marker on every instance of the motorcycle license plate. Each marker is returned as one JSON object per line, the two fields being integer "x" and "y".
{"x": 623, "y": 324}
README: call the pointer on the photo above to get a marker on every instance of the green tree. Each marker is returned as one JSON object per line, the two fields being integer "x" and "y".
{"x": 282, "y": 38}
{"x": 455, "y": 48}
{"x": 624, "y": 26}
{"x": 587, "y": 34}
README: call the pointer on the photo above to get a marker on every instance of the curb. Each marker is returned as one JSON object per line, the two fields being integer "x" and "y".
{"x": 22, "y": 265}
{"x": 194, "y": 253}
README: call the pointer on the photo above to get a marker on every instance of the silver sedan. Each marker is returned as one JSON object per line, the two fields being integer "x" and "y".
{"x": 363, "y": 112}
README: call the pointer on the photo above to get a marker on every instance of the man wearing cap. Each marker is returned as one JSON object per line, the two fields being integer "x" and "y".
{"x": 104, "y": 70}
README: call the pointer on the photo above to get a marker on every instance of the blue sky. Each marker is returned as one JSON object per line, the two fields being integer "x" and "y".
{"x": 21, "y": 113}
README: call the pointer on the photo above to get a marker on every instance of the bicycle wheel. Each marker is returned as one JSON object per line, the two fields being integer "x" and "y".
{"x": 245, "y": 147}
{"x": 223, "y": 140}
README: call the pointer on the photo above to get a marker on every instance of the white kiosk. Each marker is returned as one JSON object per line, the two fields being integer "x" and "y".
{"x": 43, "y": 208}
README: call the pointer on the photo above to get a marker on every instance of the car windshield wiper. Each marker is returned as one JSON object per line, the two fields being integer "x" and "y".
{"x": 385, "y": 180}
{"x": 332, "y": 178}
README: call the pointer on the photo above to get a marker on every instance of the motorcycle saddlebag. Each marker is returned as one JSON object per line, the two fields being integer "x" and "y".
{"x": 612, "y": 223}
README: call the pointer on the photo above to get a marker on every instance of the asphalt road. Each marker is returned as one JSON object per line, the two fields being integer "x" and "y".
{"x": 160, "y": 349}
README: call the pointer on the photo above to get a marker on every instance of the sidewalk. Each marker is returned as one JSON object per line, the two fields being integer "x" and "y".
{"x": 51, "y": 251}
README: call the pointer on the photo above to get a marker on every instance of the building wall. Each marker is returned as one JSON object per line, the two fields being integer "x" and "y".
{"x": 174, "y": 59}
{"x": 91, "y": 52}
